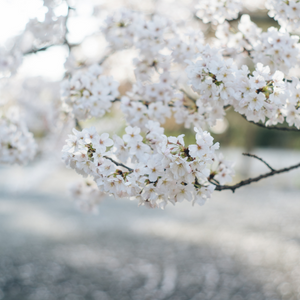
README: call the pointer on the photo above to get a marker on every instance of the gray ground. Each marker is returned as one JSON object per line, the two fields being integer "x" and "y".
{"x": 238, "y": 246}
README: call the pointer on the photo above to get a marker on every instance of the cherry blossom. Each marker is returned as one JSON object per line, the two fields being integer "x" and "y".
{"x": 17, "y": 145}
{"x": 169, "y": 165}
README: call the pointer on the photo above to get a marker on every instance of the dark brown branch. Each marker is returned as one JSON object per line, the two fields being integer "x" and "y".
{"x": 272, "y": 127}
{"x": 33, "y": 51}
{"x": 119, "y": 164}
{"x": 116, "y": 100}
{"x": 104, "y": 58}
{"x": 188, "y": 95}
{"x": 255, "y": 179}
{"x": 248, "y": 52}
{"x": 259, "y": 158}
{"x": 77, "y": 124}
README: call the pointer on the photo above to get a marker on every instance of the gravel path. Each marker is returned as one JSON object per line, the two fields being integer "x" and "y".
{"x": 237, "y": 246}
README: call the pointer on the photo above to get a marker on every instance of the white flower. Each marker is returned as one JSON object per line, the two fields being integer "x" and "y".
{"x": 102, "y": 142}
{"x": 184, "y": 193}
{"x": 132, "y": 135}
{"x": 154, "y": 169}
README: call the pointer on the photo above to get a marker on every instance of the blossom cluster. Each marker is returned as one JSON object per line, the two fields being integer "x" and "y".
{"x": 51, "y": 30}
{"x": 149, "y": 36}
{"x": 287, "y": 13}
{"x": 144, "y": 163}
{"x": 149, "y": 99}
{"x": 217, "y": 11}
{"x": 222, "y": 170}
{"x": 212, "y": 77}
{"x": 125, "y": 28}
{"x": 275, "y": 48}
{"x": 87, "y": 94}
{"x": 291, "y": 110}
{"x": 17, "y": 144}
{"x": 218, "y": 81}
{"x": 86, "y": 195}
{"x": 155, "y": 169}
{"x": 256, "y": 95}
{"x": 9, "y": 62}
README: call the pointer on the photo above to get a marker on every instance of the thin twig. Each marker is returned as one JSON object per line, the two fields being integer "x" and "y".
{"x": 188, "y": 95}
{"x": 119, "y": 164}
{"x": 66, "y": 28}
{"x": 116, "y": 100}
{"x": 33, "y": 51}
{"x": 272, "y": 127}
{"x": 65, "y": 41}
{"x": 259, "y": 158}
{"x": 104, "y": 58}
{"x": 215, "y": 181}
{"x": 255, "y": 179}
{"x": 77, "y": 124}
{"x": 248, "y": 52}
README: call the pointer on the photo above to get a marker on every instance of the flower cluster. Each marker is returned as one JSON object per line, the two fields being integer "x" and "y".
{"x": 185, "y": 47}
{"x": 236, "y": 41}
{"x": 292, "y": 108}
{"x": 87, "y": 94}
{"x": 217, "y": 11}
{"x": 277, "y": 49}
{"x": 119, "y": 28}
{"x": 139, "y": 113}
{"x": 150, "y": 100}
{"x": 125, "y": 29}
{"x": 51, "y": 30}
{"x": 287, "y": 13}
{"x": 16, "y": 142}
{"x": 9, "y": 62}
{"x": 144, "y": 163}
{"x": 212, "y": 77}
{"x": 155, "y": 169}
{"x": 86, "y": 195}
{"x": 257, "y": 95}
{"x": 222, "y": 170}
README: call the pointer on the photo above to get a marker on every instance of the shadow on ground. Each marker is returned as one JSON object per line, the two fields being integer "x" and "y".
{"x": 242, "y": 246}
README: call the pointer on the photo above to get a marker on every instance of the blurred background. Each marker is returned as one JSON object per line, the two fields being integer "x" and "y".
{"x": 237, "y": 246}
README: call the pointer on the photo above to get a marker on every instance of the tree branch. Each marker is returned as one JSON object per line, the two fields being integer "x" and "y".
{"x": 188, "y": 95}
{"x": 119, "y": 164}
{"x": 271, "y": 127}
{"x": 259, "y": 158}
{"x": 104, "y": 58}
{"x": 77, "y": 124}
{"x": 33, "y": 51}
{"x": 255, "y": 179}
